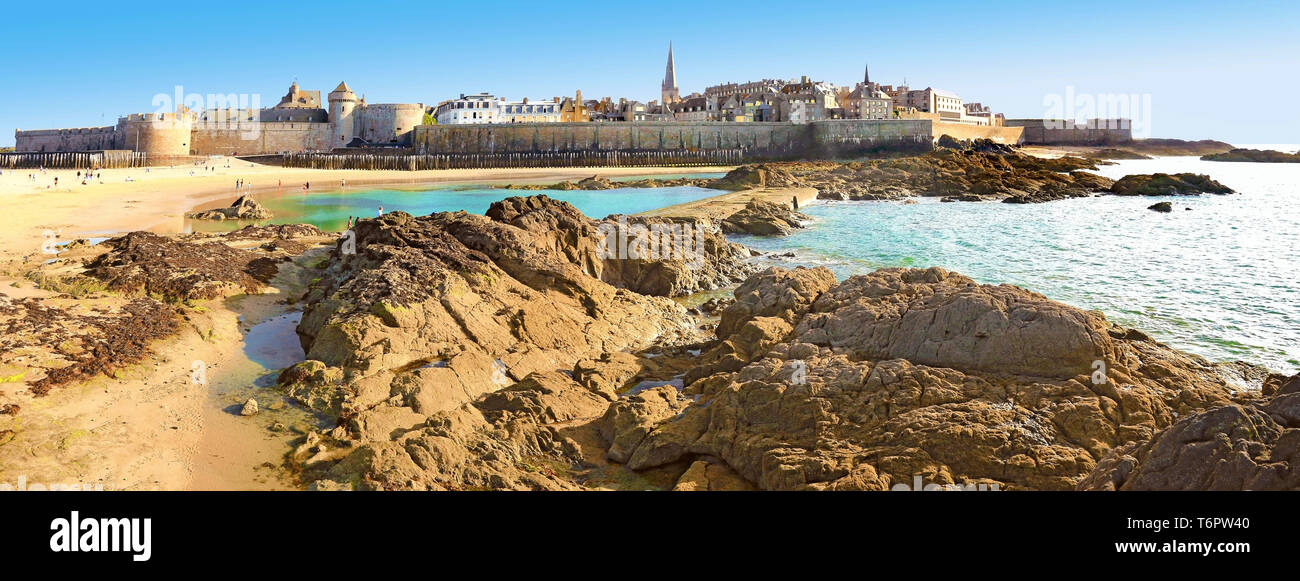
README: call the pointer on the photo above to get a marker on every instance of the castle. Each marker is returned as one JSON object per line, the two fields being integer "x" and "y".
{"x": 296, "y": 123}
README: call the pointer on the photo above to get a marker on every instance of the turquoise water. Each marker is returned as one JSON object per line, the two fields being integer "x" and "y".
{"x": 1221, "y": 280}
{"x": 330, "y": 209}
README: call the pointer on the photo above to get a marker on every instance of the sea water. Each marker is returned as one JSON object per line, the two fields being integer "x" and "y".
{"x": 1219, "y": 276}
{"x": 330, "y": 209}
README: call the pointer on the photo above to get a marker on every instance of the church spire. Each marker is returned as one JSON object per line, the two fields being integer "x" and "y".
{"x": 670, "y": 74}
{"x": 866, "y": 75}
{"x": 668, "y": 91}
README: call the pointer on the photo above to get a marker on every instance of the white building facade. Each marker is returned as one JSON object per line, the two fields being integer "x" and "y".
{"x": 484, "y": 108}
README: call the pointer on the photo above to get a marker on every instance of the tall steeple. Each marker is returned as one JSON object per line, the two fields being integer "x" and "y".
{"x": 668, "y": 91}
{"x": 866, "y": 75}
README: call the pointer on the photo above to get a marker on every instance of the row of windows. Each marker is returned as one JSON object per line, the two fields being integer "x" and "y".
{"x": 530, "y": 108}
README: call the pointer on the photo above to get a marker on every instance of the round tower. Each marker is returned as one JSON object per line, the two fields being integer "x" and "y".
{"x": 343, "y": 106}
{"x": 157, "y": 134}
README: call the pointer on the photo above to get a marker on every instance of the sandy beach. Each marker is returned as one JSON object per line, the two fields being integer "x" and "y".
{"x": 157, "y": 199}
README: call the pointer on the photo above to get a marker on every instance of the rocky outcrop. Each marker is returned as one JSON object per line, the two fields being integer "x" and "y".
{"x": 1162, "y": 184}
{"x": 901, "y": 373}
{"x": 463, "y": 352}
{"x": 753, "y": 177}
{"x": 981, "y": 145}
{"x": 1164, "y": 207}
{"x": 966, "y": 172}
{"x": 199, "y": 266}
{"x": 244, "y": 208}
{"x": 656, "y": 256}
{"x": 1245, "y": 446}
{"x": 710, "y": 475}
{"x": 461, "y": 321}
{"x": 1174, "y": 147}
{"x": 762, "y": 218}
{"x": 435, "y": 310}
{"x": 627, "y": 422}
{"x": 1110, "y": 153}
{"x": 601, "y": 183}
{"x": 1255, "y": 156}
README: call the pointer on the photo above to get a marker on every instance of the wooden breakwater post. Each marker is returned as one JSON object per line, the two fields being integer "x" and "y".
{"x": 109, "y": 159}
{"x": 571, "y": 158}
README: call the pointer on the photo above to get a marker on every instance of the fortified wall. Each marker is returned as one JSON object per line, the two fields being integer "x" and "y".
{"x": 272, "y": 137}
{"x": 1067, "y": 132}
{"x": 79, "y": 139}
{"x": 758, "y": 140}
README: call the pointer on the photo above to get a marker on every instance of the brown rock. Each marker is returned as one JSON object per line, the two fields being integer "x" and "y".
{"x": 762, "y": 218}
{"x": 905, "y": 373}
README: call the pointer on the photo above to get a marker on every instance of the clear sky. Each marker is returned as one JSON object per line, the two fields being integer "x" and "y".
{"x": 1211, "y": 69}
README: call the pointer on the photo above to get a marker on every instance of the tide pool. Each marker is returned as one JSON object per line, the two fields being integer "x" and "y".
{"x": 330, "y": 209}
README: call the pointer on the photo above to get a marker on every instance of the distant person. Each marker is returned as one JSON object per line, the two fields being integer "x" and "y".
{"x": 381, "y": 212}
{"x": 56, "y": 181}
{"x": 349, "y": 222}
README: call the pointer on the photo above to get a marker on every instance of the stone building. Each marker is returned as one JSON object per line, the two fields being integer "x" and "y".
{"x": 298, "y": 99}
{"x": 742, "y": 89}
{"x": 692, "y": 109}
{"x": 574, "y": 110}
{"x": 296, "y": 123}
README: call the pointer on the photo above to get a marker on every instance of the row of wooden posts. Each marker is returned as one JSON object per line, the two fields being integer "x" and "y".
{"x": 681, "y": 158}
{"x": 73, "y": 160}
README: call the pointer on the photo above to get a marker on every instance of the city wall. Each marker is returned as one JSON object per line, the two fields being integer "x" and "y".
{"x": 757, "y": 140}
{"x": 1063, "y": 132}
{"x": 964, "y": 131}
{"x": 66, "y": 140}
{"x": 273, "y": 137}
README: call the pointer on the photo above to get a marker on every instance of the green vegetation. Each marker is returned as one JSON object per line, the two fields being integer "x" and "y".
{"x": 76, "y": 285}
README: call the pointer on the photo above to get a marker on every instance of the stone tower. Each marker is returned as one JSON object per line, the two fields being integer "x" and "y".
{"x": 343, "y": 105}
{"x": 668, "y": 92}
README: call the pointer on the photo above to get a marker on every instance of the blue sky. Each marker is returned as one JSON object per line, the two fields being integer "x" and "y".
{"x": 1219, "y": 70}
